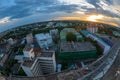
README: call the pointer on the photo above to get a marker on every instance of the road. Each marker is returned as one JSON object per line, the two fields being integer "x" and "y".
{"x": 114, "y": 71}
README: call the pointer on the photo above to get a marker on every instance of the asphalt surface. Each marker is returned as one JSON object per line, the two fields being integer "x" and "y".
{"x": 114, "y": 71}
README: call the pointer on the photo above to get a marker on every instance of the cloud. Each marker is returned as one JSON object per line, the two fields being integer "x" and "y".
{"x": 23, "y": 8}
{"x": 4, "y": 20}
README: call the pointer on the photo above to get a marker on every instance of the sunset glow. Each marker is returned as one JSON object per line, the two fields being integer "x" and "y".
{"x": 94, "y": 18}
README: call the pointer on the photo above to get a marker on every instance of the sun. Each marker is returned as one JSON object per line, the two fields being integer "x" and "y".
{"x": 94, "y": 18}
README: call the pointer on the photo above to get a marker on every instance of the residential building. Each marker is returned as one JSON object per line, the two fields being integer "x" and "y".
{"x": 116, "y": 33}
{"x": 53, "y": 32}
{"x": 28, "y": 52}
{"x": 44, "y": 63}
{"x": 10, "y": 41}
{"x": 50, "y": 24}
{"x": 44, "y": 40}
{"x": 29, "y": 38}
{"x": 92, "y": 28}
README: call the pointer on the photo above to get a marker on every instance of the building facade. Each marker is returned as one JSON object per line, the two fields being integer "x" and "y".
{"x": 100, "y": 42}
{"x": 44, "y": 40}
{"x": 29, "y": 38}
{"x": 44, "y": 63}
{"x": 92, "y": 29}
{"x": 28, "y": 52}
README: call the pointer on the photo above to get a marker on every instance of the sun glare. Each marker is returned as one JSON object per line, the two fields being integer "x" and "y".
{"x": 94, "y": 18}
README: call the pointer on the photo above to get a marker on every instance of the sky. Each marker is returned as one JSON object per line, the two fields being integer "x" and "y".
{"x": 19, "y": 12}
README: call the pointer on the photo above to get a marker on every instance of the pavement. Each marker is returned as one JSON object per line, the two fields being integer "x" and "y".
{"x": 2, "y": 78}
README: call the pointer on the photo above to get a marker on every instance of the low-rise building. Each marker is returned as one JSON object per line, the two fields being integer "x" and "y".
{"x": 54, "y": 33}
{"x": 11, "y": 41}
{"x": 44, "y": 40}
{"x": 29, "y": 38}
{"x": 76, "y": 50}
{"x": 28, "y": 52}
{"x": 116, "y": 33}
{"x": 100, "y": 42}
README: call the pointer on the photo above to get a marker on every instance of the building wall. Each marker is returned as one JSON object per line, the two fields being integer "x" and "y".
{"x": 29, "y": 38}
{"x": 29, "y": 54}
{"x": 46, "y": 41}
{"x": 101, "y": 43}
{"x": 92, "y": 29}
{"x": 36, "y": 68}
{"x": 48, "y": 65}
{"x": 77, "y": 55}
{"x": 27, "y": 70}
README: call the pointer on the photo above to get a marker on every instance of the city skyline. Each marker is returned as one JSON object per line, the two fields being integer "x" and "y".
{"x": 16, "y": 12}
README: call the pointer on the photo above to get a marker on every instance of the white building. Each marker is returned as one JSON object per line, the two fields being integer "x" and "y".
{"x": 11, "y": 41}
{"x": 29, "y": 38}
{"x": 43, "y": 64}
{"x": 28, "y": 52}
{"x": 101, "y": 43}
{"x": 92, "y": 29}
{"x": 50, "y": 24}
{"x": 53, "y": 32}
{"x": 44, "y": 40}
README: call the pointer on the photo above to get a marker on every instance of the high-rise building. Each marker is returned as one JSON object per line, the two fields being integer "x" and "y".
{"x": 92, "y": 28}
{"x": 44, "y": 63}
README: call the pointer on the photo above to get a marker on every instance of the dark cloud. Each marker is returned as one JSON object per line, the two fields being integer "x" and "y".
{"x": 94, "y": 2}
{"x": 25, "y": 8}
{"x": 62, "y": 8}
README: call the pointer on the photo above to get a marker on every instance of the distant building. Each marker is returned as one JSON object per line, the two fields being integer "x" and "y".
{"x": 116, "y": 33}
{"x": 50, "y": 24}
{"x": 29, "y": 38}
{"x": 11, "y": 41}
{"x": 44, "y": 40}
{"x": 61, "y": 24}
{"x": 28, "y": 52}
{"x": 92, "y": 28}
{"x": 44, "y": 63}
{"x": 85, "y": 33}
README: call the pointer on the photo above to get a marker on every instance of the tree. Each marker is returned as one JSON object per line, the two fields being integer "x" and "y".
{"x": 71, "y": 37}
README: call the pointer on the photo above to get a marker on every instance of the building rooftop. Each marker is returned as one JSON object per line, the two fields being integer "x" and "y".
{"x": 100, "y": 40}
{"x": 46, "y": 54}
{"x": 85, "y": 32}
{"x": 42, "y": 36}
{"x": 28, "y": 63}
{"x": 76, "y": 46}
{"x": 27, "y": 48}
